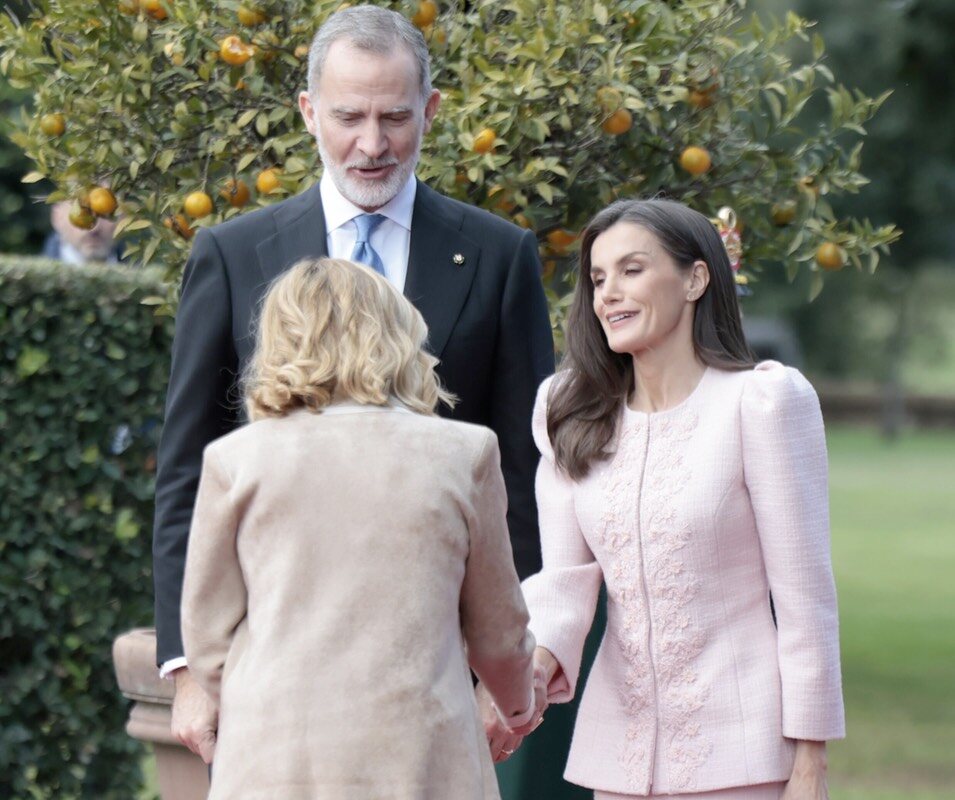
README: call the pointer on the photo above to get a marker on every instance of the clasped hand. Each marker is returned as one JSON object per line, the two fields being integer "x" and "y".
{"x": 503, "y": 740}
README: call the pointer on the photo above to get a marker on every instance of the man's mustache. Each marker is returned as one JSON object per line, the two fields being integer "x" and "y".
{"x": 373, "y": 163}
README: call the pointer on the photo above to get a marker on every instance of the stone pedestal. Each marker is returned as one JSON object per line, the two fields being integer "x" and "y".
{"x": 181, "y": 774}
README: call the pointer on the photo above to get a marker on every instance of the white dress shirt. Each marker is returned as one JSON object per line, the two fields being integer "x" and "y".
{"x": 391, "y": 239}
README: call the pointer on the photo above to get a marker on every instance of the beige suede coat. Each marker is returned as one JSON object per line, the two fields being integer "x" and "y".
{"x": 344, "y": 568}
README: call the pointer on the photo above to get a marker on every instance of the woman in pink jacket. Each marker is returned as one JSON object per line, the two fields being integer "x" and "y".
{"x": 692, "y": 482}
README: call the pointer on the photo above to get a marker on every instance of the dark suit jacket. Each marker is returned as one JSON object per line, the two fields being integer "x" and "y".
{"x": 488, "y": 325}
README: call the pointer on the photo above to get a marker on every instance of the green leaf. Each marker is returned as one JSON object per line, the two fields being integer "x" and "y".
{"x": 126, "y": 528}
{"x": 115, "y": 351}
{"x": 31, "y": 360}
{"x": 246, "y": 117}
{"x": 816, "y": 283}
{"x": 545, "y": 191}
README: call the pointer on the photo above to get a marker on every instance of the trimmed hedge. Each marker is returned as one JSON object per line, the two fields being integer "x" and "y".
{"x": 83, "y": 367}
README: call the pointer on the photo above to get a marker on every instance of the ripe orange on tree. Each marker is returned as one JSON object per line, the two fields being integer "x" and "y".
{"x": 695, "y": 160}
{"x": 783, "y": 213}
{"x": 522, "y": 220}
{"x": 250, "y": 16}
{"x": 301, "y": 51}
{"x": 234, "y": 51}
{"x": 267, "y": 181}
{"x": 830, "y": 256}
{"x": 484, "y": 141}
{"x": 197, "y": 204}
{"x": 609, "y": 98}
{"x": 560, "y": 239}
{"x": 235, "y": 192}
{"x": 101, "y": 201}
{"x": 154, "y": 9}
{"x": 698, "y": 98}
{"x": 81, "y": 217}
{"x": 618, "y": 123}
{"x": 180, "y": 225}
{"x": 53, "y": 124}
{"x": 426, "y": 14}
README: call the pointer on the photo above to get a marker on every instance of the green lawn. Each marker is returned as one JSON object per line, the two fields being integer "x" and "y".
{"x": 893, "y": 531}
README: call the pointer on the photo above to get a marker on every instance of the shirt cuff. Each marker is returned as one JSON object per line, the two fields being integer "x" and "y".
{"x": 168, "y": 667}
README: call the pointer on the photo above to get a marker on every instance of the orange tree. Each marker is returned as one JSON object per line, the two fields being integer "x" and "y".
{"x": 184, "y": 110}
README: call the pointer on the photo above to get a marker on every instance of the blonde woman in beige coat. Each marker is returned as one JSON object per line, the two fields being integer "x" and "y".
{"x": 349, "y": 560}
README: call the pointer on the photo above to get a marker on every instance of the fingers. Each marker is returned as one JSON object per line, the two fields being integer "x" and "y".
{"x": 207, "y": 746}
{"x": 194, "y": 718}
{"x": 200, "y": 739}
{"x": 504, "y": 746}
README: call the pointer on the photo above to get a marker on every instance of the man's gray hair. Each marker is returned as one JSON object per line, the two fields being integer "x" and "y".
{"x": 375, "y": 30}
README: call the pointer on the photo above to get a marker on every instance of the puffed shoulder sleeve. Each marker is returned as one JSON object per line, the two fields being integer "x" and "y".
{"x": 786, "y": 474}
{"x": 562, "y": 597}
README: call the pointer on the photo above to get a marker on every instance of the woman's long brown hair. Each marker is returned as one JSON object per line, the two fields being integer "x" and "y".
{"x": 584, "y": 402}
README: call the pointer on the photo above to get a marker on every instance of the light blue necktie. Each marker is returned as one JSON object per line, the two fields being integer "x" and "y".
{"x": 364, "y": 253}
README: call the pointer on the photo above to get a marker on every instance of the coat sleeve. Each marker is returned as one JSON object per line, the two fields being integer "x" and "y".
{"x": 562, "y": 597}
{"x": 197, "y": 411}
{"x": 786, "y": 474}
{"x": 493, "y": 615}
{"x": 524, "y": 356}
{"x": 214, "y": 597}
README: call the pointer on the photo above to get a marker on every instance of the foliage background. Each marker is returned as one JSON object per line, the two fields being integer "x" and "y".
{"x": 81, "y": 360}
{"x": 898, "y": 328}
{"x": 152, "y": 111}
{"x": 25, "y": 218}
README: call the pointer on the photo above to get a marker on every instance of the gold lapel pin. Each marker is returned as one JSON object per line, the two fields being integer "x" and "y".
{"x": 458, "y": 259}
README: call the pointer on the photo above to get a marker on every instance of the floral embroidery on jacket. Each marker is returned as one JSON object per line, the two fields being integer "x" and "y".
{"x": 661, "y": 691}
{"x": 627, "y": 614}
{"x": 671, "y": 588}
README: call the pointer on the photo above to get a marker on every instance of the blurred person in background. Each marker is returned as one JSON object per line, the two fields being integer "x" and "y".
{"x": 73, "y": 245}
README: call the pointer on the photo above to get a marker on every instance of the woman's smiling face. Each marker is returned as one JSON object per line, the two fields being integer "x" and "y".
{"x": 641, "y": 297}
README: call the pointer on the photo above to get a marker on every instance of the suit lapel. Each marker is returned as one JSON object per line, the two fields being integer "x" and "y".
{"x": 300, "y": 233}
{"x": 441, "y": 265}
{"x": 441, "y": 261}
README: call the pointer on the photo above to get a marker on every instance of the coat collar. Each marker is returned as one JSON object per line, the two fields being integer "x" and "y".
{"x": 441, "y": 262}
{"x": 300, "y": 233}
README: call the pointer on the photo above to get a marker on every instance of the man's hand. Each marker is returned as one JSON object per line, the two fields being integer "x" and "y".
{"x": 195, "y": 717}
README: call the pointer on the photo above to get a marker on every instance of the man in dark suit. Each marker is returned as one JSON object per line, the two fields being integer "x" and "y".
{"x": 474, "y": 277}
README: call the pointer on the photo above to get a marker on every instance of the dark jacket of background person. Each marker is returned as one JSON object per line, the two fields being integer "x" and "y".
{"x": 475, "y": 279}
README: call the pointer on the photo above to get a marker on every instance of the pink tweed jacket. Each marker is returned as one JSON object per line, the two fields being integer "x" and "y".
{"x": 702, "y": 511}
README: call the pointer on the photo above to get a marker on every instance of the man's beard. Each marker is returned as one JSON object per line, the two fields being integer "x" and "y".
{"x": 368, "y": 194}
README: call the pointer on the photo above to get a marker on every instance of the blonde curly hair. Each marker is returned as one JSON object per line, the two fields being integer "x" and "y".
{"x": 332, "y": 330}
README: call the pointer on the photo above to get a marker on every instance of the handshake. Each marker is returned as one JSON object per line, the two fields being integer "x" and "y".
{"x": 503, "y": 739}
